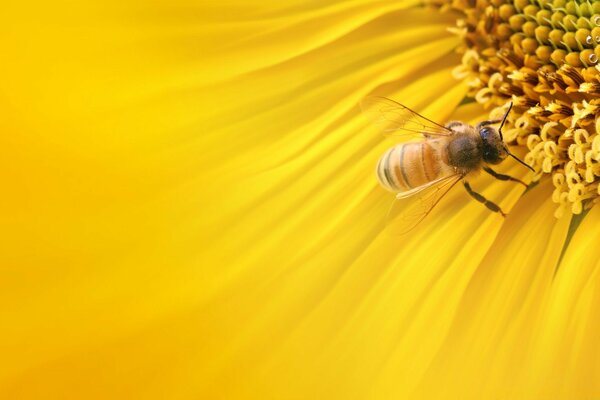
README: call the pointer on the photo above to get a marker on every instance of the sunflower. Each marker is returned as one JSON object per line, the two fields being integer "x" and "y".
{"x": 190, "y": 208}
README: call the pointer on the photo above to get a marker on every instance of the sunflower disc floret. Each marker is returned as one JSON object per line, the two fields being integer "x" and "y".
{"x": 544, "y": 56}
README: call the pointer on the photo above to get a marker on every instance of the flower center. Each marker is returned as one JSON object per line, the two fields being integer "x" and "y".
{"x": 543, "y": 55}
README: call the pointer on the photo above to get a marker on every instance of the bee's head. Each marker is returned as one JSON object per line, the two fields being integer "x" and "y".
{"x": 494, "y": 148}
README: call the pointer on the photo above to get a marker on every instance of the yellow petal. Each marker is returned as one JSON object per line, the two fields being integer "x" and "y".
{"x": 489, "y": 344}
{"x": 173, "y": 217}
{"x": 566, "y": 350}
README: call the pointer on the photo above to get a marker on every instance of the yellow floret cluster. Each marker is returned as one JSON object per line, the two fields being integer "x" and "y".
{"x": 543, "y": 56}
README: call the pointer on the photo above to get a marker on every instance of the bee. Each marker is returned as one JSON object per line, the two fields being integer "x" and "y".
{"x": 445, "y": 155}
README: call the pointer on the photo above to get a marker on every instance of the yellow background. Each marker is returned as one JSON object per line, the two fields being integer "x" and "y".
{"x": 190, "y": 211}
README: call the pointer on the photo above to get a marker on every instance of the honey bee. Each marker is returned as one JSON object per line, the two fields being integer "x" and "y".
{"x": 430, "y": 167}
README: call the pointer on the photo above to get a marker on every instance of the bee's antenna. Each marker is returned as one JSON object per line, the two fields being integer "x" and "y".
{"x": 500, "y": 132}
{"x": 504, "y": 120}
{"x": 522, "y": 162}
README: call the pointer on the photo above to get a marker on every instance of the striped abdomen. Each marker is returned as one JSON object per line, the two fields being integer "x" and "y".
{"x": 407, "y": 166}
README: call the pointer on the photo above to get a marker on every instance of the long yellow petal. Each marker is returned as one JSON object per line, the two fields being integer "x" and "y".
{"x": 566, "y": 352}
{"x": 173, "y": 218}
{"x": 490, "y": 342}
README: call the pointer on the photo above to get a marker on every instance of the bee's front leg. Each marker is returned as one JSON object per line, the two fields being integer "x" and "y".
{"x": 486, "y": 123}
{"x": 503, "y": 177}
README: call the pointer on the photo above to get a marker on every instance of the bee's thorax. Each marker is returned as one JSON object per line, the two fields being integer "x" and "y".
{"x": 464, "y": 152}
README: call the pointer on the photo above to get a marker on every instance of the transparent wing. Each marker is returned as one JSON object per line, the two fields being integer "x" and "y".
{"x": 396, "y": 119}
{"x": 410, "y": 208}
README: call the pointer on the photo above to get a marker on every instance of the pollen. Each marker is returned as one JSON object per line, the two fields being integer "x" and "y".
{"x": 543, "y": 55}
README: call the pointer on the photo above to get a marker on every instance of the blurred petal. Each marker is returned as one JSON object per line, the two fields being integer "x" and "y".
{"x": 491, "y": 340}
{"x": 176, "y": 207}
{"x": 566, "y": 353}
{"x": 192, "y": 212}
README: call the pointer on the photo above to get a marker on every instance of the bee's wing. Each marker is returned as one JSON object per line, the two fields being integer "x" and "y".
{"x": 411, "y": 207}
{"x": 398, "y": 120}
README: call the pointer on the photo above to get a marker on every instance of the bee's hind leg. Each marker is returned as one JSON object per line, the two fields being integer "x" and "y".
{"x": 503, "y": 177}
{"x": 490, "y": 205}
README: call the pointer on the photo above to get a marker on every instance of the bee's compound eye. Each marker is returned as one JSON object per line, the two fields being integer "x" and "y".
{"x": 486, "y": 132}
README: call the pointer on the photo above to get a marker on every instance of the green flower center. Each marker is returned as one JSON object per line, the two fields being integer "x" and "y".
{"x": 543, "y": 56}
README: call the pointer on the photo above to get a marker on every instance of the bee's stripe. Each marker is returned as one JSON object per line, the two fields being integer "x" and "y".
{"x": 429, "y": 162}
{"x": 407, "y": 166}
{"x": 398, "y": 172}
{"x": 403, "y": 167}
{"x": 424, "y": 164}
{"x": 381, "y": 175}
{"x": 386, "y": 170}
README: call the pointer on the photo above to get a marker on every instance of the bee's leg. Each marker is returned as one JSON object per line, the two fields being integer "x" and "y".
{"x": 490, "y": 205}
{"x": 486, "y": 123}
{"x": 503, "y": 177}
